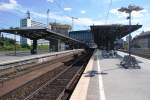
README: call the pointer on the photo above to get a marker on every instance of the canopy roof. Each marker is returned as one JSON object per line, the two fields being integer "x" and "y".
{"x": 39, "y": 33}
{"x": 105, "y": 35}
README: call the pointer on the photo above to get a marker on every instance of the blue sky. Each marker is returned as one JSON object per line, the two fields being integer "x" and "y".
{"x": 88, "y": 12}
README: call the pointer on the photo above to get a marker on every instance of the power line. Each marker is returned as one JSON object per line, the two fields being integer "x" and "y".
{"x": 108, "y": 13}
{"x": 59, "y": 5}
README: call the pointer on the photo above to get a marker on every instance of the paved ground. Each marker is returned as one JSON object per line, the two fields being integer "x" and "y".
{"x": 88, "y": 87}
{"x": 4, "y": 59}
{"x": 108, "y": 81}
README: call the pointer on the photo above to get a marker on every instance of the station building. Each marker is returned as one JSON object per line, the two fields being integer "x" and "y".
{"x": 141, "y": 44}
{"x": 60, "y": 28}
{"x": 142, "y": 40}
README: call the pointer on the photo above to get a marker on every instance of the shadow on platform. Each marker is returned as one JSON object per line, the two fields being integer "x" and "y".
{"x": 93, "y": 73}
{"x": 110, "y": 69}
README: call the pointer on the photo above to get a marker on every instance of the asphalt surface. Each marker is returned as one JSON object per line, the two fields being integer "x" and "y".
{"x": 125, "y": 84}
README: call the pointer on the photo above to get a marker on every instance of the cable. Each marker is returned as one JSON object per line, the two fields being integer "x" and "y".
{"x": 107, "y": 16}
{"x": 4, "y": 25}
{"x": 59, "y": 5}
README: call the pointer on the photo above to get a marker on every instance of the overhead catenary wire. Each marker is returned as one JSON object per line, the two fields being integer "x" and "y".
{"x": 108, "y": 12}
{"x": 62, "y": 8}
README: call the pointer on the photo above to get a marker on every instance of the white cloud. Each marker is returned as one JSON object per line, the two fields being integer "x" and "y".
{"x": 14, "y": 7}
{"x": 82, "y": 11}
{"x": 135, "y": 14}
{"x": 12, "y": 4}
{"x": 79, "y": 21}
{"x": 108, "y": 1}
{"x": 88, "y": 21}
{"x": 141, "y": 13}
{"x": 51, "y": 1}
{"x": 117, "y": 13}
{"x": 67, "y": 9}
{"x": 13, "y": 1}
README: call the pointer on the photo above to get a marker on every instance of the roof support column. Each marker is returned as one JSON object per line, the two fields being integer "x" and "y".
{"x": 71, "y": 46}
{"x": 53, "y": 45}
{"x": 49, "y": 48}
{"x": 34, "y": 47}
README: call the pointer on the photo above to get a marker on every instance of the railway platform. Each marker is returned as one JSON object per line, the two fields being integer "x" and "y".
{"x": 10, "y": 61}
{"x": 29, "y": 77}
{"x": 105, "y": 79}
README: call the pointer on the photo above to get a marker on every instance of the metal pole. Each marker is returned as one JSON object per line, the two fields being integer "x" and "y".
{"x": 72, "y": 22}
{"x": 15, "y": 42}
{"x": 48, "y": 17}
{"x": 129, "y": 43}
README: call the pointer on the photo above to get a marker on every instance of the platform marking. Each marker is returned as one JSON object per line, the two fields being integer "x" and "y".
{"x": 101, "y": 87}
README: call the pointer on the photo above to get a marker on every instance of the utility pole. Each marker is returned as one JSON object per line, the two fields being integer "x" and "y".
{"x": 15, "y": 44}
{"x": 48, "y": 17}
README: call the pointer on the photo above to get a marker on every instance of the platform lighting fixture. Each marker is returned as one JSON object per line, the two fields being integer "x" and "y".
{"x": 129, "y": 10}
{"x": 128, "y": 60}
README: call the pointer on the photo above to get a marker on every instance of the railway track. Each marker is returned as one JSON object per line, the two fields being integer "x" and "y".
{"x": 62, "y": 85}
{"x": 54, "y": 84}
{"x": 24, "y": 69}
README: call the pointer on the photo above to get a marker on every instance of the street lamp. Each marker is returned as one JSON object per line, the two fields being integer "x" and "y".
{"x": 129, "y": 61}
{"x": 129, "y": 10}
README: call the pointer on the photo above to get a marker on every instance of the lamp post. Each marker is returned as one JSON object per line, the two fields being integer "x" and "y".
{"x": 15, "y": 52}
{"x": 129, "y": 61}
{"x": 129, "y": 11}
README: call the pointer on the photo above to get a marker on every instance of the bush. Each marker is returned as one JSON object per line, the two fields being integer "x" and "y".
{"x": 25, "y": 46}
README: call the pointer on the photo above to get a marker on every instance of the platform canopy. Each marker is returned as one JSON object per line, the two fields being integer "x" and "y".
{"x": 40, "y": 33}
{"x": 106, "y": 35}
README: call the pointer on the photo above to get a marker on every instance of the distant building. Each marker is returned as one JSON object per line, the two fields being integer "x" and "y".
{"x": 83, "y": 35}
{"x": 28, "y": 22}
{"x": 24, "y": 23}
{"x": 63, "y": 29}
{"x": 60, "y": 28}
{"x": 142, "y": 41}
{"x": 43, "y": 42}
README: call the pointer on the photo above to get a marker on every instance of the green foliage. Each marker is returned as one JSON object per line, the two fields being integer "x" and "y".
{"x": 7, "y": 44}
{"x": 25, "y": 46}
{"x": 43, "y": 48}
{"x": 125, "y": 46}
